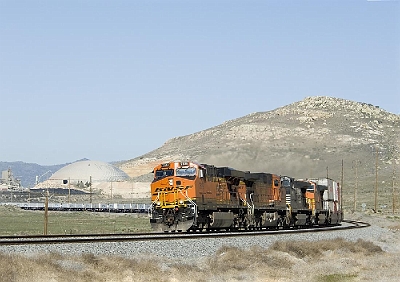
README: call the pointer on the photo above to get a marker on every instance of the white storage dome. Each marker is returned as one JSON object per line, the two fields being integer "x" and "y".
{"x": 83, "y": 170}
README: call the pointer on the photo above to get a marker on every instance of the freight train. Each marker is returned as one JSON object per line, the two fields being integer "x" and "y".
{"x": 188, "y": 196}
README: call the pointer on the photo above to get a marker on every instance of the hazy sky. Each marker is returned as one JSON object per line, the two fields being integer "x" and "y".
{"x": 112, "y": 80}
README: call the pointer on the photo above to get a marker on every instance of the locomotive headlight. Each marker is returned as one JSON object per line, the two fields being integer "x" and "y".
{"x": 181, "y": 202}
{"x": 171, "y": 182}
{"x": 158, "y": 203}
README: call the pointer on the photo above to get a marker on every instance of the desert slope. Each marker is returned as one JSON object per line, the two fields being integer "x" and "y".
{"x": 308, "y": 138}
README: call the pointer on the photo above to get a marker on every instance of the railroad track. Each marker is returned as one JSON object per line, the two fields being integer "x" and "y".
{"x": 93, "y": 238}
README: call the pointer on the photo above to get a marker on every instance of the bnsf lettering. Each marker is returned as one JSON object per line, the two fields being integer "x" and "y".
{"x": 164, "y": 189}
{"x": 168, "y": 189}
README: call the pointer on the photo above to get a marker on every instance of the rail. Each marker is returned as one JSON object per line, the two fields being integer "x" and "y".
{"x": 93, "y": 238}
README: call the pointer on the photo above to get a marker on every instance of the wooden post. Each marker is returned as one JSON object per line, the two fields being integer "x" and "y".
{"x": 46, "y": 208}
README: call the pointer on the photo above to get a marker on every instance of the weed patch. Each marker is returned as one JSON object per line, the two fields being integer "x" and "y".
{"x": 302, "y": 249}
{"x": 336, "y": 277}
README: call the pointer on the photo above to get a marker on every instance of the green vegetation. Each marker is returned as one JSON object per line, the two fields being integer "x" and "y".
{"x": 15, "y": 221}
{"x": 337, "y": 277}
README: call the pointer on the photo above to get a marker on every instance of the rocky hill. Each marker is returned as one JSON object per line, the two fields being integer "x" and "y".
{"x": 309, "y": 138}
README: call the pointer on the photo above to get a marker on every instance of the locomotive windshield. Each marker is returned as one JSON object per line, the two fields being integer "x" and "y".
{"x": 310, "y": 188}
{"x": 164, "y": 173}
{"x": 190, "y": 171}
{"x": 286, "y": 182}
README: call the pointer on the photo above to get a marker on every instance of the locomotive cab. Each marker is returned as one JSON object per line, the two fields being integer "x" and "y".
{"x": 171, "y": 193}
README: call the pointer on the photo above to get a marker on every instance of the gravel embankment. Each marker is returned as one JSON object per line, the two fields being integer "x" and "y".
{"x": 194, "y": 249}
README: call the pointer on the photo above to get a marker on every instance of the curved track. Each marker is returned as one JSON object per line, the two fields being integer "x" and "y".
{"x": 93, "y": 238}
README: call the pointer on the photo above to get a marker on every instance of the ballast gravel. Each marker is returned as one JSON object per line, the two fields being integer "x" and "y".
{"x": 194, "y": 249}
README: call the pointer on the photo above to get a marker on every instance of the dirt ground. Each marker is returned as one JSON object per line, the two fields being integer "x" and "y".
{"x": 373, "y": 258}
{"x": 389, "y": 222}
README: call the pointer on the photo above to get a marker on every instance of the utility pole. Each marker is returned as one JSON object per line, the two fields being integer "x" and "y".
{"x": 356, "y": 188}
{"x": 341, "y": 189}
{"x": 69, "y": 190}
{"x": 111, "y": 191}
{"x": 376, "y": 179}
{"x": 132, "y": 191}
{"x": 90, "y": 185}
{"x": 393, "y": 194}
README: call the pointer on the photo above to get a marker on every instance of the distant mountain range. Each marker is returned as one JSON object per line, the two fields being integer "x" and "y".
{"x": 27, "y": 172}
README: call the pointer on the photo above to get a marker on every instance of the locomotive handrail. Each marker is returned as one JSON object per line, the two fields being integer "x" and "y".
{"x": 249, "y": 207}
{"x": 191, "y": 201}
{"x": 245, "y": 202}
{"x": 252, "y": 205}
{"x": 157, "y": 199}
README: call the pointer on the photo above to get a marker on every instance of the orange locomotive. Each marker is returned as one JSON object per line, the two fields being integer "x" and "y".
{"x": 191, "y": 196}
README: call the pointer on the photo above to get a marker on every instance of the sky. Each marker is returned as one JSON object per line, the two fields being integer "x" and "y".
{"x": 113, "y": 80}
